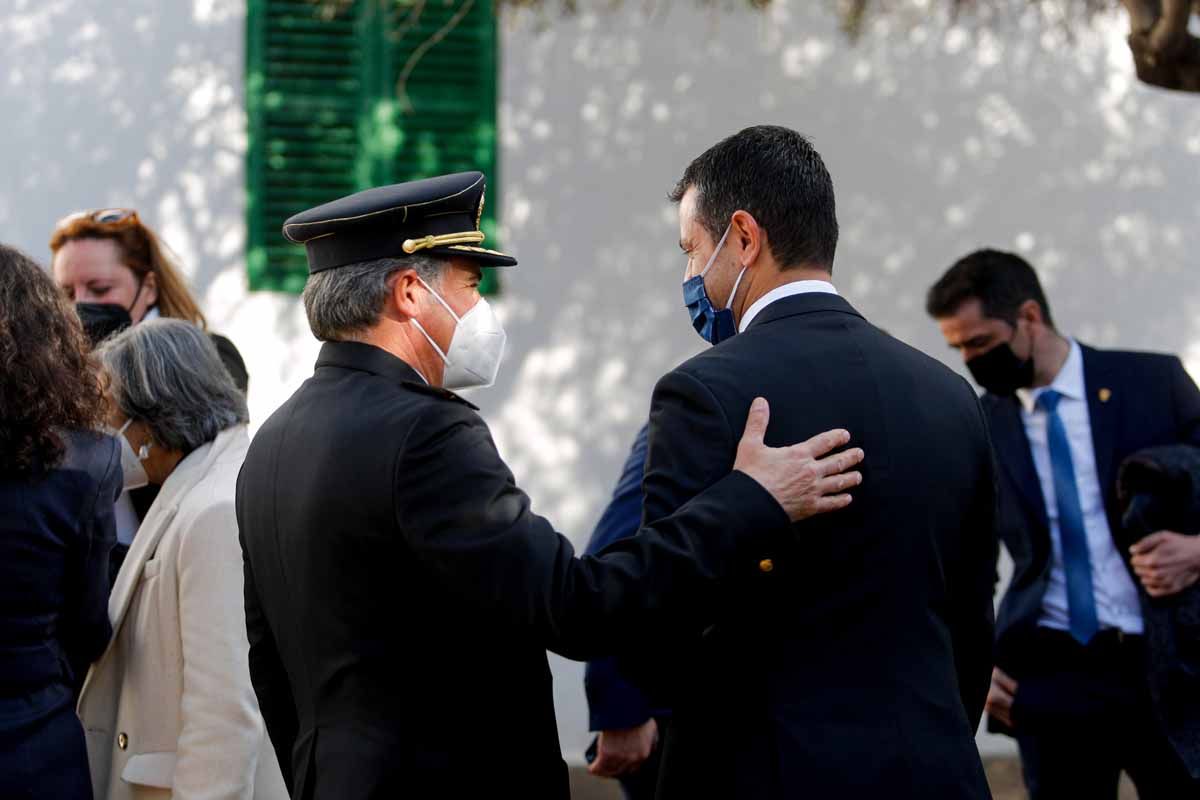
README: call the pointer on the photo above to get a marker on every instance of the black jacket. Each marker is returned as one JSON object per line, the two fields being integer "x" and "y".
{"x": 56, "y": 532}
{"x": 1159, "y": 488}
{"x": 400, "y": 594}
{"x": 1135, "y": 400}
{"x": 855, "y": 660}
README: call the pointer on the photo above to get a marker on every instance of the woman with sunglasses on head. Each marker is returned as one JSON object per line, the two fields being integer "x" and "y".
{"x": 58, "y": 481}
{"x": 118, "y": 273}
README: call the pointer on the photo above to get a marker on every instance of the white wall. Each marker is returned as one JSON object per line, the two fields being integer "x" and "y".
{"x": 939, "y": 140}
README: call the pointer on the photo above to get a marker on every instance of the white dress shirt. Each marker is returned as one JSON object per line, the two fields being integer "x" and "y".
{"x": 1116, "y": 596}
{"x": 780, "y": 292}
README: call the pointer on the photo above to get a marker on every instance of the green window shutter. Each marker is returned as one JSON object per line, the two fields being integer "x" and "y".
{"x": 342, "y": 96}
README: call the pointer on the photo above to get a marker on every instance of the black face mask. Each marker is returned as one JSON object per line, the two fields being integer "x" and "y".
{"x": 101, "y": 320}
{"x": 1000, "y": 371}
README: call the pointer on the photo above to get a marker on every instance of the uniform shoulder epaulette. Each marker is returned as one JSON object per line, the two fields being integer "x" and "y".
{"x": 439, "y": 392}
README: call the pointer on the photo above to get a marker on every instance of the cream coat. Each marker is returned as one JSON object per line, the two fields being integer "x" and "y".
{"x": 168, "y": 709}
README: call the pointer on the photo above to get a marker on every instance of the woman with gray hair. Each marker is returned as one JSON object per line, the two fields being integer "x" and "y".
{"x": 168, "y": 709}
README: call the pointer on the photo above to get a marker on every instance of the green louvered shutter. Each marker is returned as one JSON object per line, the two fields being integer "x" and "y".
{"x": 328, "y": 116}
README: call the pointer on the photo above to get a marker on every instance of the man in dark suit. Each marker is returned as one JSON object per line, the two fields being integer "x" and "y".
{"x": 400, "y": 594}
{"x": 626, "y": 723}
{"x": 853, "y": 661}
{"x": 1070, "y": 674}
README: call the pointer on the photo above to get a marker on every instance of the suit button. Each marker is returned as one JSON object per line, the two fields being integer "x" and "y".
{"x": 122, "y": 741}
{"x": 766, "y": 565}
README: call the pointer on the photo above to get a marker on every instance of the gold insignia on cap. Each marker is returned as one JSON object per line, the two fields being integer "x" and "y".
{"x": 1105, "y": 395}
{"x": 411, "y": 246}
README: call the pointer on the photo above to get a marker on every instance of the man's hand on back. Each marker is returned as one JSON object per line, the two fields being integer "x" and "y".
{"x": 803, "y": 478}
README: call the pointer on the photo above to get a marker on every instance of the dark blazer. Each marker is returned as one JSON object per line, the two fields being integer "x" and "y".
{"x": 614, "y": 702}
{"x": 56, "y": 532}
{"x": 1135, "y": 400}
{"x": 400, "y": 594}
{"x": 855, "y": 660}
{"x": 1159, "y": 489}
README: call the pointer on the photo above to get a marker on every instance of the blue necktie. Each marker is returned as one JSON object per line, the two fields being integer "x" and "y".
{"x": 1076, "y": 562}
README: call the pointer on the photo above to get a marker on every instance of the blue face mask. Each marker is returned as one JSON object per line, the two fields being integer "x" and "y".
{"x": 715, "y": 325}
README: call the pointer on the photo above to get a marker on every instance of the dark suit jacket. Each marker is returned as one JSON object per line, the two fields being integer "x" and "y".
{"x": 614, "y": 702}
{"x": 56, "y": 532}
{"x": 855, "y": 660}
{"x": 1135, "y": 400}
{"x": 400, "y": 594}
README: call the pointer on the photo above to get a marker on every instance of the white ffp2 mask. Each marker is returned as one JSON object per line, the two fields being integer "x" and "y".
{"x": 476, "y": 348}
{"x": 131, "y": 463}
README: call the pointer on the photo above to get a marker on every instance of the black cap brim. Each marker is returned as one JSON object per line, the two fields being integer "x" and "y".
{"x": 485, "y": 257}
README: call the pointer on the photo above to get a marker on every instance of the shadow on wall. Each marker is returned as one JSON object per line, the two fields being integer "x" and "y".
{"x": 940, "y": 139}
{"x": 125, "y": 104}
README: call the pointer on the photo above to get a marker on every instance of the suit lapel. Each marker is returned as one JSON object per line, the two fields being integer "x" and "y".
{"x": 1102, "y": 413}
{"x": 159, "y": 518}
{"x": 1012, "y": 445}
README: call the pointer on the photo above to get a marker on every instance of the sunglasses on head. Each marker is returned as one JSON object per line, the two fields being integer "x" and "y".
{"x": 100, "y": 216}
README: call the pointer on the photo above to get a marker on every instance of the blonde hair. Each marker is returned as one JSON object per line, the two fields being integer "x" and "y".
{"x": 141, "y": 251}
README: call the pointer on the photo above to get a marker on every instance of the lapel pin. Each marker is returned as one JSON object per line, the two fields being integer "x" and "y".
{"x": 1105, "y": 395}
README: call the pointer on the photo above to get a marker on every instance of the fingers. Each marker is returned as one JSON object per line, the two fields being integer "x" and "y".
{"x": 1148, "y": 543}
{"x": 1000, "y": 711}
{"x": 1000, "y": 697}
{"x": 756, "y": 422}
{"x": 837, "y": 502}
{"x": 841, "y": 462}
{"x": 608, "y": 765}
{"x": 824, "y": 443}
{"x": 836, "y": 484}
{"x": 1159, "y": 588}
{"x": 1006, "y": 683}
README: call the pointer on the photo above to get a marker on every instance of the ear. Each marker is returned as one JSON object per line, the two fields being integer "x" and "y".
{"x": 748, "y": 235}
{"x": 405, "y": 300}
{"x": 1031, "y": 312}
{"x": 150, "y": 289}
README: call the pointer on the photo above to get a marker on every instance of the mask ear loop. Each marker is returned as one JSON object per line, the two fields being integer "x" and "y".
{"x": 717, "y": 249}
{"x": 421, "y": 328}
{"x": 736, "y": 284}
{"x": 143, "y": 452}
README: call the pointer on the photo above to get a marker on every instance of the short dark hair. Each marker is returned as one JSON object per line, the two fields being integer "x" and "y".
{"x": 777, "y": 176}
{"x": 1000, "y": 281}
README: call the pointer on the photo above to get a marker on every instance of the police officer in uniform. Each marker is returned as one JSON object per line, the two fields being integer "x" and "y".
{"x": 400, "y": 593}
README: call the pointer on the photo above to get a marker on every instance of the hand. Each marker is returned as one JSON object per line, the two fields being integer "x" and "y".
{"x": 1166, "y": 562}
{"x": 803, "y": 482}
{"x": 621, "y": 752}
{"x": 1000, "y": 697}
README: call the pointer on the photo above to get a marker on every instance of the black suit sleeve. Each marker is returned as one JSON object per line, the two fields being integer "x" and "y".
{"x": 461, "y": 513}
{"x": 86, "y": 628}
{"x": 691, "y": 445}
{"x": 1186, "y": 399}
{"x": 269, "y": 678}
{"x": 972, "y": 584}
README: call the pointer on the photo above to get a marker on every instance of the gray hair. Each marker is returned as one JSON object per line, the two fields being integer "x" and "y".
{"x": 167, "y": 374}
{"x": 343, "y": 303}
